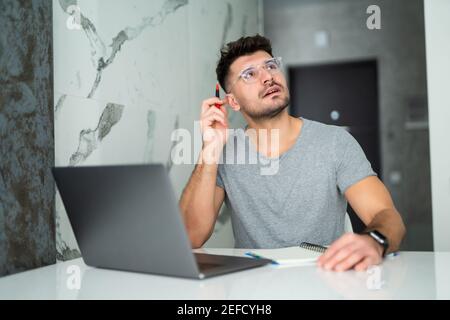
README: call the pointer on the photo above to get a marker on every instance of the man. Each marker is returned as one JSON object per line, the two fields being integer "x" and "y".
{"x": 320, "y": 168}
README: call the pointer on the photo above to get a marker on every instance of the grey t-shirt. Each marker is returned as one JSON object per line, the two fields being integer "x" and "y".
{"x": 304, "y": 200}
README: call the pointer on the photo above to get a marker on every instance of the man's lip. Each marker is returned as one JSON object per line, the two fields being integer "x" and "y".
{"x": 276, "y": 88}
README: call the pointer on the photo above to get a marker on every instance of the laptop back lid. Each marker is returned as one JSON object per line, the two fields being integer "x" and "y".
{"x": 126, "y": 218}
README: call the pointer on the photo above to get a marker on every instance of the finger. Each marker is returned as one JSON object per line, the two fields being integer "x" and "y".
{"x": 208, "y": 103}
{"x": 223, "y": 102}
{"x": 209, "y": 120}
{"x": 339, "y": 256}
{"x": 369, "y": 261}
{"x": 350, "y": 261}
{"x": 207, "y": 109}
{"x": 364, "y": 264}
{"x": 335, "y": 246}
{"x": 215, "y": 111}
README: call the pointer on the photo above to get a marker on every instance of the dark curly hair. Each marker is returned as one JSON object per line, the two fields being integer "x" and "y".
{"x": 235, "y": 49}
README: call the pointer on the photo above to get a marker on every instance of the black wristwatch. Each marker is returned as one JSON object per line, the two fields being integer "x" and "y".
{"x": 380, "y": 238}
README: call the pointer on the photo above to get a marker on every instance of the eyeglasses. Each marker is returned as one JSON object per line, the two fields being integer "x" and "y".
{"x": 252, "y": 73}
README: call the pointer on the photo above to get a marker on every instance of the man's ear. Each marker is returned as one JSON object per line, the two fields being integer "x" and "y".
{"x": 233, "y": 102}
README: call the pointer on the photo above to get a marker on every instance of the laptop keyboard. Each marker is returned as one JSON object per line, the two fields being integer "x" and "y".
{"x": 204, "y": 266}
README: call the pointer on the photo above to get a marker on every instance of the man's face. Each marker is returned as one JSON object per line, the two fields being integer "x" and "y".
{"x": 264, "y": 98}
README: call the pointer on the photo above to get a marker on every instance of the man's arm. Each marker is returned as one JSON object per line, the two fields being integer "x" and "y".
{"x": 200, "y": 203}
{"x": 201, "y": 198}
{"x": 373, "y": 204}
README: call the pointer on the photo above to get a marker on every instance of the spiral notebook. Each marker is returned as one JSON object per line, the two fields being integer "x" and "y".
{"x": 305, "y": 253}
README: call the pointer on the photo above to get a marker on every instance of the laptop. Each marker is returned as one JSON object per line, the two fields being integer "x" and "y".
{"x": 127, "y": 218}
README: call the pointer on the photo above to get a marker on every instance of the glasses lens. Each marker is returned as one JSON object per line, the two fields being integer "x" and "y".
{"x": 271, "y": 65}
{"x": 250, "y": 75}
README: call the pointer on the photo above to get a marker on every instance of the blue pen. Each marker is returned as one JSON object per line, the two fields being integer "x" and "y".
{"x": 392, "y": 254}
{"x": 255, "y": 256}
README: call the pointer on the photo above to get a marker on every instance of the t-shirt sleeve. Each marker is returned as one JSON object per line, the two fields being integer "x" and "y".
{"x": 351, "y": 163}
{"x": 219, "y": 181}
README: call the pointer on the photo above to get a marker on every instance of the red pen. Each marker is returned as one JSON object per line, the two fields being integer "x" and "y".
{"x": 217, "y": 95}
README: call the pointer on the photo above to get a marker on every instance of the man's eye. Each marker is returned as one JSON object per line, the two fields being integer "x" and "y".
{"x": 271, "y": 65}
{"x": 249, "y": 74}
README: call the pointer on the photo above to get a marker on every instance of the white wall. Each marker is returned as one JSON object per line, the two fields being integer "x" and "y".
{"x": 164, "y": 69}
{"x": 437, "y": 31}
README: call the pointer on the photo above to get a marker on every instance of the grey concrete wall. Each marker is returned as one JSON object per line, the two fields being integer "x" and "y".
{"x": 399, "y": 47}
{"x": 27, "y": 227}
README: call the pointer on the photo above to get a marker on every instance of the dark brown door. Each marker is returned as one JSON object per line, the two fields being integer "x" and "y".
{"x": 343, "y": 94}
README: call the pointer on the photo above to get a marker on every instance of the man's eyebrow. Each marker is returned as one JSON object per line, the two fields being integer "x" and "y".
{"x": 248, "y": 68}
{"x": 252, "y": 65}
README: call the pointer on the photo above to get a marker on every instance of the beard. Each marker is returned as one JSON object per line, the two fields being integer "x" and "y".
{"x": 268, "y": 112}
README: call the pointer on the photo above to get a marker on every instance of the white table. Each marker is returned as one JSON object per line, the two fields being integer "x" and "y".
{"x": 411, "y": 275}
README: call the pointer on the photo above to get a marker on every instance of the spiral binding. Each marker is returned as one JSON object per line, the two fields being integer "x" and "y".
{"x": 313, "y": 247}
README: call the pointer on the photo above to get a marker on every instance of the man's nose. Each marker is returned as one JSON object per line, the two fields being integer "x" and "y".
{"x": 266, "y": 76}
